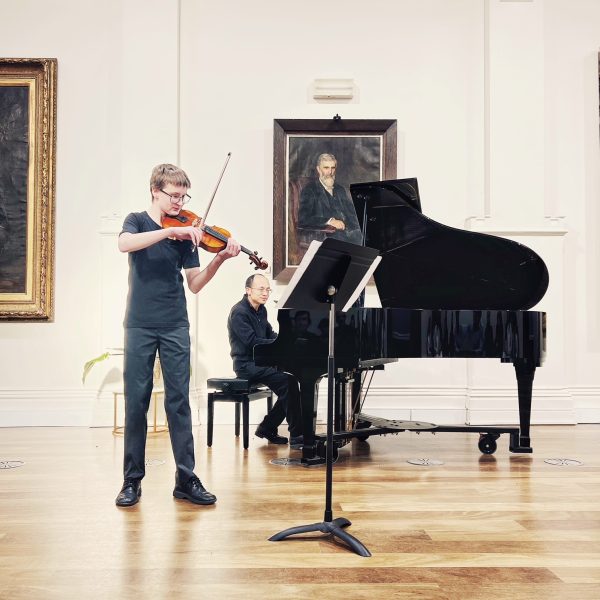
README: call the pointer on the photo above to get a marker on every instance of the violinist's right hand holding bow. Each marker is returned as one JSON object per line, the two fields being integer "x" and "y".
{"x": 192, "y": 233}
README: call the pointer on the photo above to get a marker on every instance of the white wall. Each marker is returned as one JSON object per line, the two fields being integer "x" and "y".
{"x": 572, "y": 182}
{"x": 423, "y": 68}
{"x": 117, "y": 114}
{"x": 497, "y": 110}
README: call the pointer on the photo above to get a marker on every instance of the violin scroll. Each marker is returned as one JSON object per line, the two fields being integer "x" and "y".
{"x": 259, "y": 263}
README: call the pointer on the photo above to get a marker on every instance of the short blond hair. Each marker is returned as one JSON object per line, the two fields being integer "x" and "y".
{"x": 164, "y": 174}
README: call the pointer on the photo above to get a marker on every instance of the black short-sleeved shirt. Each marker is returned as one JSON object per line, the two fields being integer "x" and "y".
{"x": 156, "y": 295}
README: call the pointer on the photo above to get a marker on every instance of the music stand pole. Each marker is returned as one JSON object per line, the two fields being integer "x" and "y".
{"x": 328, "y": 516}
{"x": 329, "y": 525}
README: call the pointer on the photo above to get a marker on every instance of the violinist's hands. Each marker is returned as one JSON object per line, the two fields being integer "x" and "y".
{"x": 232, "y": 249}
{"x": 194, "y": 234}
{"x": 340, "y": 225}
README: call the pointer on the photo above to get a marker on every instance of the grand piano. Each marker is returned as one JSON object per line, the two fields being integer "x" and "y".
{"x": 444, "y": 292}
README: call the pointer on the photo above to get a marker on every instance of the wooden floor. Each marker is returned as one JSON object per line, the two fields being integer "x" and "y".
{"x": 477, "y": 527}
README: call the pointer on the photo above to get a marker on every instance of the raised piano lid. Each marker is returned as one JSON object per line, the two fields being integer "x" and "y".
{"x": 429, "y": 265}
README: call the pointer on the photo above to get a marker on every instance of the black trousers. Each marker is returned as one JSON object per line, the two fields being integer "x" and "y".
{"x": 173, "y": 347}
{"x": 285, "y": 387}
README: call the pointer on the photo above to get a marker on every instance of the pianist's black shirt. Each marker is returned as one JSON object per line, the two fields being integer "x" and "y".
{"x": 247, "y": 327}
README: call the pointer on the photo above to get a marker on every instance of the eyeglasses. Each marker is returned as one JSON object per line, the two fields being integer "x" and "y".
{"x": 262, "y": 290}
{"x": 176, "y": 198}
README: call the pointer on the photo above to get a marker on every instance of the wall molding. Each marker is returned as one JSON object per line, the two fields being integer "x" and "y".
{"x": 46, "y": 408}
{"x": 111, "y": 224}
{"x": 446, "y": 405}
{"x": 586, "y": 400}
{"x": 438, "y": 404}
{"x": 551, "y": 227}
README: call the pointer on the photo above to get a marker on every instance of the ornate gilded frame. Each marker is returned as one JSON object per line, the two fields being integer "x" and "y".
{"x": 334, "y": 132}
{"x": 27, "y": 188}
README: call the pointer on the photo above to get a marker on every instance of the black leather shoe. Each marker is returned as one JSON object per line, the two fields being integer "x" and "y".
{"x": 194, "y": 491}
{"x": 272, "y": 436}
{"x": 297, "y": 442}
{"x": 130, "y": 493}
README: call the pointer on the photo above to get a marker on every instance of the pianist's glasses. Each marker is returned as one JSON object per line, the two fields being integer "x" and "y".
{"x": 262, "y": 290}
{"x": 176, "y": 198}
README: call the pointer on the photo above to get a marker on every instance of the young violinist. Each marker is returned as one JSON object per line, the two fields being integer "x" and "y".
{"x": 156, "y": 320}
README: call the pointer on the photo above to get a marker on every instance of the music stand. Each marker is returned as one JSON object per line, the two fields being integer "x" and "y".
{"x": 331, "y": 270}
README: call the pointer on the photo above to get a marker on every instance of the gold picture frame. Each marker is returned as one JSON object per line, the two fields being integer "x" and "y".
{"x": 27, "y": 188}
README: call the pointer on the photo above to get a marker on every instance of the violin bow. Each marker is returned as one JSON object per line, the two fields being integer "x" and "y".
{"x": 216, "y": 188}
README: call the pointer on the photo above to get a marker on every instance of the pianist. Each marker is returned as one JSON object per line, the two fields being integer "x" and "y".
{"x": 247, "y": 326}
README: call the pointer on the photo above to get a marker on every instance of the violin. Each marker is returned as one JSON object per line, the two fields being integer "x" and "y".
{"x": 214, "y": 239}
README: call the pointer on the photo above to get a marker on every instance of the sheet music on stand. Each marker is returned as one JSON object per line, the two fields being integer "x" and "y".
{"x": 322, "y": 263}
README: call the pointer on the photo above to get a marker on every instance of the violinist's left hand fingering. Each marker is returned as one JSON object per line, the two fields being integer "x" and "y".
{"x": 232, "y": 249}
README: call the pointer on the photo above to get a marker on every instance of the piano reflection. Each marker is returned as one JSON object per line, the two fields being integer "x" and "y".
{"x": 444, "y": 292}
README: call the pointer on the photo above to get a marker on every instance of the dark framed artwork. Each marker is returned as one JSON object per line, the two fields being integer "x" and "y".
{"x": 314, "y": 163}
{"x": 27, "y": 184}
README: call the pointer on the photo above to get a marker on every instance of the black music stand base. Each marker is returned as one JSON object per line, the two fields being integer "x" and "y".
{"x": 333, "y": 528}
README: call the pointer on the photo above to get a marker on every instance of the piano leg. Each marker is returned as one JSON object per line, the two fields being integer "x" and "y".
{"x": 309, "y": 388}
{"x": 313, "y": 452}
{"x": 525, "y": 372}
{"x": 339, "y": 412}
{"x": 343, "y": 407}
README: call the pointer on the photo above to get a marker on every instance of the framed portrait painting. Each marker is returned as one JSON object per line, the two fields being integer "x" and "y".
{"x": 314, "y": 163}
{"x": 27, "y": 170}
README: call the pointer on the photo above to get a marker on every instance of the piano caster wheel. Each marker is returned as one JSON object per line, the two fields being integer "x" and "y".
{"x": 487, "y": 444}
{"x": 362, "y": 425}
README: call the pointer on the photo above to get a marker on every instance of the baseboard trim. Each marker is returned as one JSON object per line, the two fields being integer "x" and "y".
{"x": 45, "y": 408}
{"x": 442, "y": 405}
{"x": 586, "y": 401}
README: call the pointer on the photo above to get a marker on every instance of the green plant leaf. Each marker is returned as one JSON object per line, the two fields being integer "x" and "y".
{"x": 90, "y": 363}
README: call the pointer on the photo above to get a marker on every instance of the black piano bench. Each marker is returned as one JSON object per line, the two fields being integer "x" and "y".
{"x": 239, "y": 391}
